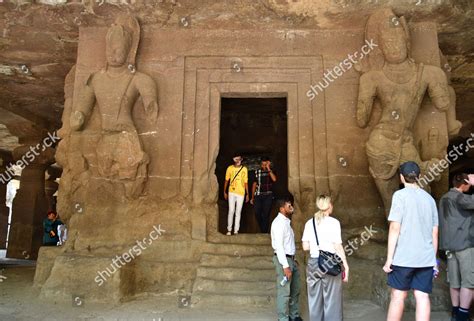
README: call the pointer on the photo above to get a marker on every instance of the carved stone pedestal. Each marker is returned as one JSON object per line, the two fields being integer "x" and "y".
{"x": 83, "y": 285}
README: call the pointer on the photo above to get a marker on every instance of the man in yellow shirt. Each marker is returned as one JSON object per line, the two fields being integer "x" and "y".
{"x": 236, "y": 178}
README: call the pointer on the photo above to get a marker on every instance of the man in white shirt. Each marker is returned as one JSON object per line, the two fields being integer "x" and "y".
{"x": 288, "y": 276}
{"x": 12, "y": 188}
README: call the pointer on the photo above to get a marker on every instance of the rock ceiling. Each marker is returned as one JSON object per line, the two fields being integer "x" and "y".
{"x": 39, "y": 43}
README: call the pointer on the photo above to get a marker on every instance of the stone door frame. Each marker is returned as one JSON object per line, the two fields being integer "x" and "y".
{"x": 208, "y": 79}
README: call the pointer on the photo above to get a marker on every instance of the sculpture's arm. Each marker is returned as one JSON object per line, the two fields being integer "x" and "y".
{"x": 438, "y": 87}
{"x": 84, "y": 106}
{"x": 365, "y": 101}
{"x": 147, "y": 88}
{"x": 454, "y": 125}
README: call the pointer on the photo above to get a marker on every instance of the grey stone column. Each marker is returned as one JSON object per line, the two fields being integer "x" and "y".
{"x": 29, "y": 206}
{"x": 51, "y": 186}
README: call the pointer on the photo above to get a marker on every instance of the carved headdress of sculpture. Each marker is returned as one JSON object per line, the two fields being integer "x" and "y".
{"x": 381, "y": 26}
{"x": 125, "y": 30}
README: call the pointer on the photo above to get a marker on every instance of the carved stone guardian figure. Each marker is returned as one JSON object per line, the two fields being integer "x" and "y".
{"x": 114, "y": 90}
{"x": 399, "y": 84}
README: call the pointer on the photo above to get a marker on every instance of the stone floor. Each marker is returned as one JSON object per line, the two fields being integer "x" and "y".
{"x": 19, "y": 301}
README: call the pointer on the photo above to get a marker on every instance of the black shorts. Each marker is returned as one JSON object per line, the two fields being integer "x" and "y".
{"x": 406, "y": 278}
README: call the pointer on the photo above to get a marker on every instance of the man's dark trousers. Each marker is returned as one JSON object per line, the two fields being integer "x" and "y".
{"x": 263, "y": 207}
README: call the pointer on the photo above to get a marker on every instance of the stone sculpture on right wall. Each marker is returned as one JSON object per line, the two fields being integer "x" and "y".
{"x": 399, "y": 84}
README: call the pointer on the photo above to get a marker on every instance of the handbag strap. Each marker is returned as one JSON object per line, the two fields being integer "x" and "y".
{"x": 241, "y": 167}
{"x": 315, "y": 233}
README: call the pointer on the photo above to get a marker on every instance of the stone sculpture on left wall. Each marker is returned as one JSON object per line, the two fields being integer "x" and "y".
{"x": 115, "y": 90}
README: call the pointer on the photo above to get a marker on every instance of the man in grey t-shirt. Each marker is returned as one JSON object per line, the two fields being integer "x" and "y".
{"x": 412, "y": 245}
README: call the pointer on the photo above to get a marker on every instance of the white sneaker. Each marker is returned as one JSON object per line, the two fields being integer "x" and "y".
{"x": 235, "y": 233}
{"x": 229, "y": 233}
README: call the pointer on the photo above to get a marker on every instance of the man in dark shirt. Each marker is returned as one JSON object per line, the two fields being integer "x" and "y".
{"x": 456, "y": 211}
{"x": 262, "y": 194}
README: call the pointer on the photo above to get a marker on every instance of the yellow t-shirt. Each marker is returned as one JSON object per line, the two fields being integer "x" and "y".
{"x": 237, "y": 185}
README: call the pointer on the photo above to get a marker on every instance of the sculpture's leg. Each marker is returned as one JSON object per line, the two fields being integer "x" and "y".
{"x": 132, "y": 163}
{"x": 106, "y": 149}
{"x": 129, "y": 156}
{"x": 383, "y": 156}
{"x": 134, "y": 188}
{"x": 386, "y": 189}
{"x": 428, "y": 175}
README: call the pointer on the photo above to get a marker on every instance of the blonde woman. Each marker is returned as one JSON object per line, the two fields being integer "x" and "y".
{"x": 324, "y": 290}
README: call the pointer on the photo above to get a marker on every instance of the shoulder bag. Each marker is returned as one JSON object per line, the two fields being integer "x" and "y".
{"x": 329, "y": 263}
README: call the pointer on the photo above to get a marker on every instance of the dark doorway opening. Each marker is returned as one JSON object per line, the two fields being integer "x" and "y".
{"x": 255, "y": 127}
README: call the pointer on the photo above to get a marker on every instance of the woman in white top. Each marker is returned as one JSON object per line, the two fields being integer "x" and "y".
{"x": 324, "y": 291}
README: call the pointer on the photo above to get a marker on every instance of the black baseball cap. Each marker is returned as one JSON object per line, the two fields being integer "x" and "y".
{"x": 410, "y": 167}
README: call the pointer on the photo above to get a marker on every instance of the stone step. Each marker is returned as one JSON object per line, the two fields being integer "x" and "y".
{"x": 236, "y": 274}
{"x": 244, "y": 239}
{"x": 239, "y": 249}
{"x": 242, "y": 288}
{"x": 205, "y": 299}
{"x": 237, "y": 260}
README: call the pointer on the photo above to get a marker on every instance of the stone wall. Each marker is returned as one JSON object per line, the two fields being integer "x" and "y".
{"x": 192, "y": 70}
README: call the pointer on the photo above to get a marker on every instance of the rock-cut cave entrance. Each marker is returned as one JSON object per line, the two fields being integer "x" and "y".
{"x": 255, "y": 127}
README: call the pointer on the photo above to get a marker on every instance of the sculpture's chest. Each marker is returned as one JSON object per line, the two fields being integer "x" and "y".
{"x": 401, "y": 92}
{"x": 112, "y": 91}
